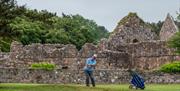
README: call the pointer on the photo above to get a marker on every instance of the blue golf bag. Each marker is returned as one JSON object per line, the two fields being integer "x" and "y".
{"x": 137, "y": 81}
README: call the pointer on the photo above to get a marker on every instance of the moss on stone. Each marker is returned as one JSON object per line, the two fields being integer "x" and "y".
{"x": 128, "y": 17}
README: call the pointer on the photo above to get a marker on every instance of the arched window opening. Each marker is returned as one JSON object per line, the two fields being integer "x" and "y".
{"x": 135, "y": 41}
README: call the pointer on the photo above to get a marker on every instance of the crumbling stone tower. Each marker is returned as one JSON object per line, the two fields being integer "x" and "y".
{"x": 168, "y": 29}
{"x": 131, "y": 29}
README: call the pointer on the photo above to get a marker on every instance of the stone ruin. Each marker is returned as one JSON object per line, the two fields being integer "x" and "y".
{"x": 168, "y": 29}
{"x": 131, "y": 45}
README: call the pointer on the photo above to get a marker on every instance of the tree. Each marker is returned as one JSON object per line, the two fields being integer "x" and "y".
{"x": 174, "y": 42}
{"x": 32, "y": 26}
{"x": 156, "y": 27}
{"x": 28, "y": 31}
{"x": 9, "y": 10}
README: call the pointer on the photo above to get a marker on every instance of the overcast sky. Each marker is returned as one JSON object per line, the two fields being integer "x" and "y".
{"x": 108, "y": 12}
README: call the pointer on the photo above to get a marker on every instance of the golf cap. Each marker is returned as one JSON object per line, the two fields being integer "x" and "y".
{"x": 95, "y": 55}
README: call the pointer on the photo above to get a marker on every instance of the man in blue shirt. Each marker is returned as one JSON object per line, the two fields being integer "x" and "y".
{"x": 89, "y": 68}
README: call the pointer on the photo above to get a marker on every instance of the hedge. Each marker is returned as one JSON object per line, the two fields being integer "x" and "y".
{"x": 43, "y": 65}
{"x": 171, "y": 67}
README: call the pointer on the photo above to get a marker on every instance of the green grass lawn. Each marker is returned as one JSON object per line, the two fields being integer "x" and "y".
{"x": 56, "y": 87}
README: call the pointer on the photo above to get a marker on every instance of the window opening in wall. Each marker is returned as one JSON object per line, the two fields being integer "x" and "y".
{"x": 65, "y": 67}
{"x": 135, "y": 41}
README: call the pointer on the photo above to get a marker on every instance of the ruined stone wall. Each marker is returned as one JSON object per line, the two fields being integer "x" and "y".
{"x": 130, "y": 29}
{"x": 142, "y": 55}
{"x": 168, "y": 29}
{"x": 128, "y": 35}
{"x": 4, "y": 56}
{"x": 24, "y": 56}
{"x": 125, "y": 35}
{"x": 65, "y": 56}
{"x": 4, "y": 59}
{"x": 131, "y": 45}
{"x": 151, "y": 55}
{"x": 77, "y": 76}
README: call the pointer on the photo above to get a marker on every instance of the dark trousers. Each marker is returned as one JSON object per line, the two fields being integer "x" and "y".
{"x": 89, "y": 75}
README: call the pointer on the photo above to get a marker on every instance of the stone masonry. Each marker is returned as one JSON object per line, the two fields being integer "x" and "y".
{"x": 132, "y": 45}
{"x": 65, "y": 76}
{"x": 168, "y": 29}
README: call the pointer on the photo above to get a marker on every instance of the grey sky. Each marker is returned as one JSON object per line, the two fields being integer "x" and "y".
{"x": 108, "y": 12}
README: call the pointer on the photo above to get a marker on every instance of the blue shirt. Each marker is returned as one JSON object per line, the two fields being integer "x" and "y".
{"x": 90, "y": 61}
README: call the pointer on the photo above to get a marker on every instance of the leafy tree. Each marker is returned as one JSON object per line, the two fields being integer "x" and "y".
{"x": 57, "y": 36}
{"x": 33, "y": 26}
{"x": 156, "y": 27}
{"x": 174, "y": 42}
{"x": 9, "y": 10}
{"x": 29, "y": 32}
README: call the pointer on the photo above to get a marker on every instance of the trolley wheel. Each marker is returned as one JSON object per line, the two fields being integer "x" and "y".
{"x": 143, "y": 88}
{"x": 130, "y": 86}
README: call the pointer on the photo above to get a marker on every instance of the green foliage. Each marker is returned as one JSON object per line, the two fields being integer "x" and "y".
{"x": 5, "y": 46}
{"x": 32, "y": 26}
{"x": 29, "y": 32}
{"x": 171, "y": 68}
{"x": 44, "y": 66}
{"x": 5, "y": 43}
{"x": 130, "y": 15}
{"x": 174, "y": 42}
{"x": 156, "y": 27}
{"x": 9, "y": 10}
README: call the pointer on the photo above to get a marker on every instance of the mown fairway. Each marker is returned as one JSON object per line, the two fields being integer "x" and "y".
{"x": 56, "y": 87}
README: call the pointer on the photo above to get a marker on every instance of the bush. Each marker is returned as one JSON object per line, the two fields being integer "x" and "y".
{"x": 171, "y": 68}
{"x": 44, "y": 66}
{"x": 5, "y": 44}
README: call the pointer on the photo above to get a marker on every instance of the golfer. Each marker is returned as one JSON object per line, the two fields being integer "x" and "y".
{"x": 89, "y": 68}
